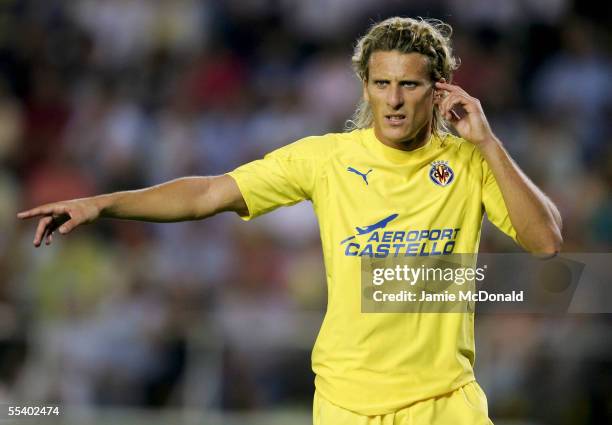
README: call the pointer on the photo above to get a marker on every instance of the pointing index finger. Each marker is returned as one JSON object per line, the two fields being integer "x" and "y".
{"x": 450, "y": 88}
{"x": 28, "y": 213}
{"x": 43, "y": 210}
{"x": 446, "y": 86}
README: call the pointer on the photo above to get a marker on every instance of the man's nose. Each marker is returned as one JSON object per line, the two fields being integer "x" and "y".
{"x": 395, "y": 98}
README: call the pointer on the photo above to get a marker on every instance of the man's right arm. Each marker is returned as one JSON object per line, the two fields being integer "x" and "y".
{"x": 187, "y": 198}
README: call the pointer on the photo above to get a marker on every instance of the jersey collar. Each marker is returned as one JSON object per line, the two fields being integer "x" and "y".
{"x": 392, "y": 154}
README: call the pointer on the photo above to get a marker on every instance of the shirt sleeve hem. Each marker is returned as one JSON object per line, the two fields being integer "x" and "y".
{"x": 245, "y": 195}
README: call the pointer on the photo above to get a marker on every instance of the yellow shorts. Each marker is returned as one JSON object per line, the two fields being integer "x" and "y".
{"x": 464, "y": 406}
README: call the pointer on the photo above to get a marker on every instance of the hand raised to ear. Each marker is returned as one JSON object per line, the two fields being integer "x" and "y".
{"x": 464, "y": 112}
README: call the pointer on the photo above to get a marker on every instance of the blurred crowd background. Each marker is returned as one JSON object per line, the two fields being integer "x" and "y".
{"x": 220, "y": 316}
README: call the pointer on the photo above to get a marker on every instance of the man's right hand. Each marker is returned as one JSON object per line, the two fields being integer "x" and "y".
{"x": 187, "y": 198}
{"x": 64, "y": 215}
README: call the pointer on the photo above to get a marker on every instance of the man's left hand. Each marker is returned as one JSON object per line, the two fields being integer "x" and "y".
{"x": 465, "y": 113}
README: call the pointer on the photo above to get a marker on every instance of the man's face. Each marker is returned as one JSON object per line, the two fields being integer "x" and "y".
{"x": 401, "y": 96}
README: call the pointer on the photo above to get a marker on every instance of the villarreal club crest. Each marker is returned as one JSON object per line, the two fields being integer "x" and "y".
{"x": 441, "y": 173}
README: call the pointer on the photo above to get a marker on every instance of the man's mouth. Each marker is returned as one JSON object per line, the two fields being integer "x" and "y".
{"x": 395, "y": 119}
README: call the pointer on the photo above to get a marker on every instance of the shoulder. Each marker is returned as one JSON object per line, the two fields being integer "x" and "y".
{"x": 317, "y": 147}
{"x": 461, "y": 148}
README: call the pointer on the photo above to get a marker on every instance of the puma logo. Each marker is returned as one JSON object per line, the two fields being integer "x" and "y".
{"x": 363, "y": 176}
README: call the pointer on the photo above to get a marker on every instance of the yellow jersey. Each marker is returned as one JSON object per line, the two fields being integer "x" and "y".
{"x": 375, "y": 201}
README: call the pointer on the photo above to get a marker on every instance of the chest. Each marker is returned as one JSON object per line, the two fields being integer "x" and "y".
{"x": 366, "y": 188}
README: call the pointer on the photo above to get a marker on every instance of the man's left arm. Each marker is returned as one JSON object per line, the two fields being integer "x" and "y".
{"x": 533, "y": 215}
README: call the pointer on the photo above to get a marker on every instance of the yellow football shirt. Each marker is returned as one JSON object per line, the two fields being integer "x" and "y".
{"x": 374, "y": 201}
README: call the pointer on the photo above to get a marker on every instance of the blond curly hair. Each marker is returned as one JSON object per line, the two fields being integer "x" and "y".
{"x": 430, "y": 37}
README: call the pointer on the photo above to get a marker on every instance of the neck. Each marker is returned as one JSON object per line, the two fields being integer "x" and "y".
{"x": 417, "y": 141}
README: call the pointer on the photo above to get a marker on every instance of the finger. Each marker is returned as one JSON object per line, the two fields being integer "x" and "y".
{"x": 466, "y": 105}
{"x": 49, "y": 237}
{"x": 69, "y": 225}
{"x": 43, "y": 223}
{"x": 42, "y": 210}
{"x": 440, "y": 95}
{"x": 451, "y": 102}
{"x": 471, "y": 105}
{"x": 29, "y": 213}
{"x": 451, "y": 88}
{"x": 56, "y": 222}
{"x": 453, "y": 98}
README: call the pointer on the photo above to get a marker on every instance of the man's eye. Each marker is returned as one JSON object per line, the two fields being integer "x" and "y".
{"x": 409, "y": 84}
{"x": 381, "y": 84}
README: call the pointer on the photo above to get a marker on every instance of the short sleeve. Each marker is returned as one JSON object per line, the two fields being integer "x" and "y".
{"x": 283, "y": 177}
{"x": 494, "y": 203}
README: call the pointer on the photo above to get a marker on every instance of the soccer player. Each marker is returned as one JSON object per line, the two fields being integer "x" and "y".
{"x": 399, "y": 171}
